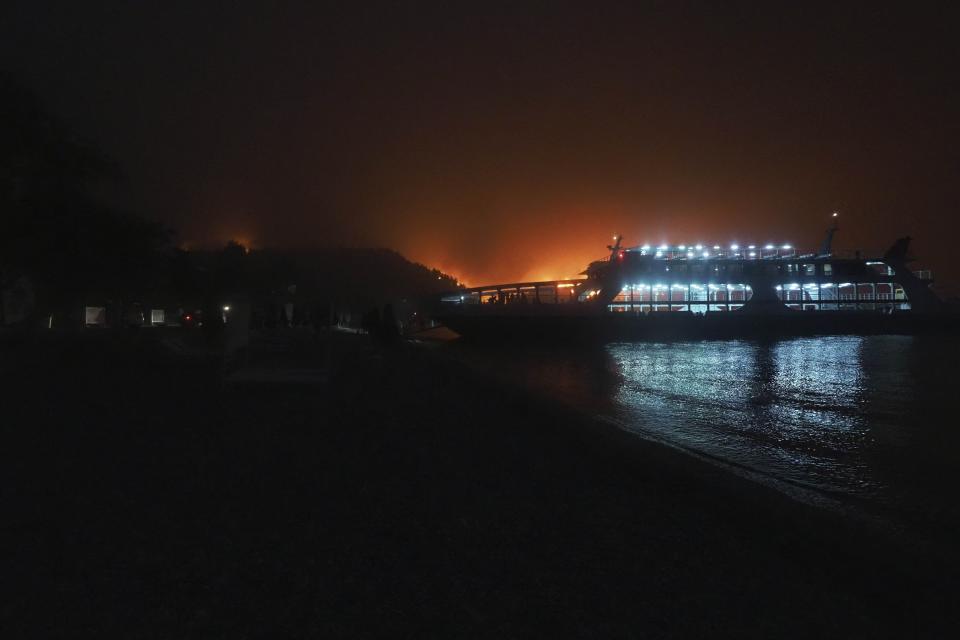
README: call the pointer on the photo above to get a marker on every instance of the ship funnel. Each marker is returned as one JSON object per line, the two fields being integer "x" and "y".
{"x": 897, "y": 253}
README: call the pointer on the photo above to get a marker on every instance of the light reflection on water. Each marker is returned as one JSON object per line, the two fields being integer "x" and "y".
{"x": 866, "y": 420}
{"x": 792, "y": 409}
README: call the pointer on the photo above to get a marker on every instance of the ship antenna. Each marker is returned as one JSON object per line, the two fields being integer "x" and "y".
{"x": 827, "y": 248}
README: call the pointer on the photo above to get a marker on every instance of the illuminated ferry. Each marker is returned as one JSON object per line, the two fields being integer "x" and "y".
{"x": 711, "y": 290}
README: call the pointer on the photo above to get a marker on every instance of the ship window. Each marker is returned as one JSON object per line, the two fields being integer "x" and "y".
{"x": 157, "y": 316}
{"x": 827, "y": 269}
{"x": 95, "y": 316}
{"x": 809, "y": 269}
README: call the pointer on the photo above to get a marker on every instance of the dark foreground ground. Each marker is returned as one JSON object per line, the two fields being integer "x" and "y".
{"x": 142, "y": 496}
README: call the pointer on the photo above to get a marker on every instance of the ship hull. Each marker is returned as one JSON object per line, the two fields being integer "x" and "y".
{"x": 613, "y": 327}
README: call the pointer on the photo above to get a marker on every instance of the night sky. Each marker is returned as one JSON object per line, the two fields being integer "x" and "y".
{"x": 509, "y": 141}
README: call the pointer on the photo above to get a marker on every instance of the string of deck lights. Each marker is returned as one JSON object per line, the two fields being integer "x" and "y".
{"x": 716, "y": 251}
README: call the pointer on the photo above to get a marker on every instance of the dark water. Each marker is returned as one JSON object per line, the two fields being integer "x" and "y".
{"x": 864, "y": 423}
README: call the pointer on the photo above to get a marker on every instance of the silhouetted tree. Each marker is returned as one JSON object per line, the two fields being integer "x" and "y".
{"x": 51, "y": 227}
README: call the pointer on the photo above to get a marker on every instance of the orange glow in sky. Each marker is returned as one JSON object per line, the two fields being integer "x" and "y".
{"x": 510, "y": 143}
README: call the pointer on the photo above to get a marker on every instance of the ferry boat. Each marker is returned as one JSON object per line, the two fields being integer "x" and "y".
{"x": 680, "y": 291}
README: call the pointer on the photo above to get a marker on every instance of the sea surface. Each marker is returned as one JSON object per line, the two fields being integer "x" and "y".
{"x": 863, "y": 424}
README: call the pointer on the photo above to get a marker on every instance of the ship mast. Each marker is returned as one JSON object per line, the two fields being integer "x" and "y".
{"x": 615, "y": 247}
{"x": 827, "y": 248}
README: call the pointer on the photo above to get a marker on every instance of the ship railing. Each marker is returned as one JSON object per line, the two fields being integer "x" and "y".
{"x": 924, "y": 274}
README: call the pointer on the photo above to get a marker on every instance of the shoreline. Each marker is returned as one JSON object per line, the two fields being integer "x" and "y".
{"x": 407, "y": 496}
